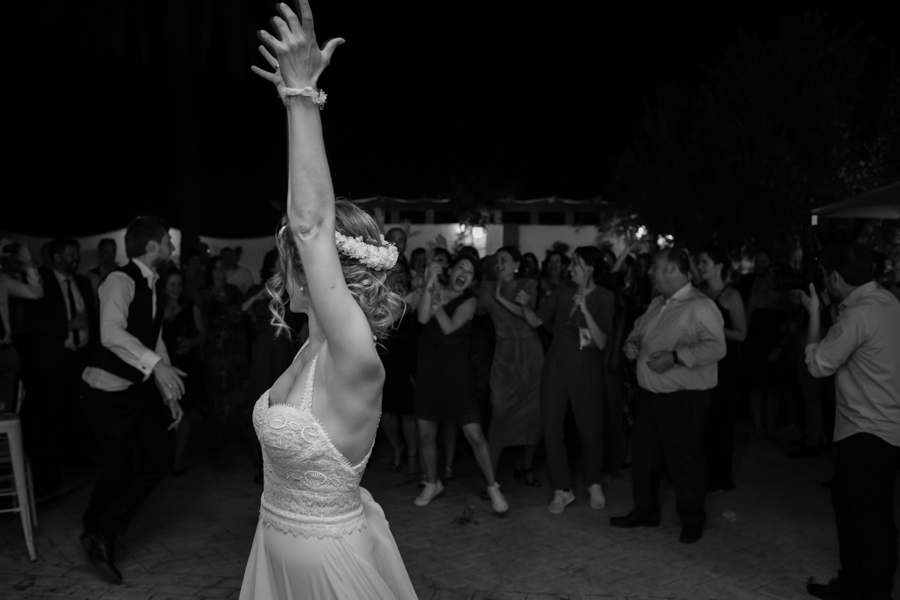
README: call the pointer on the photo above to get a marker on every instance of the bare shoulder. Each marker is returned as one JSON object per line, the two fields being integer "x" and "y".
{"x": 360, "y": 380}
{"x": 731, "y": 296}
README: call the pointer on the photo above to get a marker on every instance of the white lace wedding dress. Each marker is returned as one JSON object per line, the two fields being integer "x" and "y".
{"x": 320, "y": 535}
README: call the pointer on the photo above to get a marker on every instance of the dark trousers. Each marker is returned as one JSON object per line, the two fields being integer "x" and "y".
{"x": 572, "y": 376}
{"x": 138, "y": 452}
{"x": 670, "y": 426}
{"x": 865, "y": 473}
{"x": 55, "y": 429}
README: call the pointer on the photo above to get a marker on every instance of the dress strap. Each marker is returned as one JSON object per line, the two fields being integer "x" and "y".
{"x": 306, "y": 402}
{"x": 302, "y": 348}
{"x": 719, "y": 295}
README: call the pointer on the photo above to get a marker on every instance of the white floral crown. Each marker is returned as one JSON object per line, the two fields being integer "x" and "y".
{"x": 380, "y": 258}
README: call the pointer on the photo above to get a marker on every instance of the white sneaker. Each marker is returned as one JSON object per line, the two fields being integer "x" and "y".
{"x": 429, "y": 493}
{"x": 561, "y": 499}
{"x": 498, "y": 502}
{"x": 598, "y": 500}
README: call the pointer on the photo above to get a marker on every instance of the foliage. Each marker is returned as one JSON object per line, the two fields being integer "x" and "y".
{"x": 777, "y": 127}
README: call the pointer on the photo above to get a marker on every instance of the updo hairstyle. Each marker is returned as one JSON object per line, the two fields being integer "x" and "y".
{"x": 372, "y": 289}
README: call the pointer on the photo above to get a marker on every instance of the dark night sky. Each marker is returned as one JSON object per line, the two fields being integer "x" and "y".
{"x": 538, "y": 99}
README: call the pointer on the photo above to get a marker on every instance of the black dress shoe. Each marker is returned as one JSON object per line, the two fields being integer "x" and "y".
{"x": 102, "y": 554}
{"x": 632, "y": 520}
{"x": 833, "y": 590}
{"x": 690, "y": 534}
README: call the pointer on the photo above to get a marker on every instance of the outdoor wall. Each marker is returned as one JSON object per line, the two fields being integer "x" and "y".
{"x": 539, "y": 238}
{"x": 532, "y": 238}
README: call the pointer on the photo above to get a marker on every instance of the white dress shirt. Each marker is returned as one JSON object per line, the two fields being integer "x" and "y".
{"x": 690, "y": 324}
{"x": 83, "y": 333}
{"x": 116, "y": 293}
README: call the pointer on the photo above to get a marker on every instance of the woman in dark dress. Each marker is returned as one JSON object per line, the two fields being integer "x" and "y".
{"x": 515, "y": 376}
{"x": 581, "y": 318}
{"x": 270, "y": 354}
{"x": 718, "y": 440}
{"x": 225, "y": 356}
{"x": 398, "y": 354}
{"x": 183, "y": 333}
{"x": 445, "y": 377}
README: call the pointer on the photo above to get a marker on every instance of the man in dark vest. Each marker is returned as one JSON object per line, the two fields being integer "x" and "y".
{"x": 60, "y": 330}
{"x": 131, "y": 392}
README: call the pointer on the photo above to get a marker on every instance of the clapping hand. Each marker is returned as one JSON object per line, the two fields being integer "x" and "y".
{"x": 24, "y": 255}
{"x": 431, "y": 274}
{"x": 578, "y": 299}
{"x": 810, "y": 301}
{"x": 298, "y": 53}
{"x": 498, "y": 289}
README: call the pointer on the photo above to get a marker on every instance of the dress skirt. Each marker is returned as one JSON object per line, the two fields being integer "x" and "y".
{"x": 363, "y": 565}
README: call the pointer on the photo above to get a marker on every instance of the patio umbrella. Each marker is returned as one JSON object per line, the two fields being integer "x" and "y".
{"x": 880, "y": 203}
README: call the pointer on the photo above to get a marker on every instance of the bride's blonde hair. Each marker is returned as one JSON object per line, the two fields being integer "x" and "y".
{"x": 372, "y": 289}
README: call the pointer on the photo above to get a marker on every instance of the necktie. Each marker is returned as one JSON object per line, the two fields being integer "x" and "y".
{"x": 73, "y": 310}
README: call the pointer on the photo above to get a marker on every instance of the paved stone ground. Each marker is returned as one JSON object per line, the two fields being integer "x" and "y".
{"x": 194, "y": 534}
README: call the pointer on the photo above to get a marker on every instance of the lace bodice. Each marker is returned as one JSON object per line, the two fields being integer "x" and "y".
{"x": 310, "y": 489}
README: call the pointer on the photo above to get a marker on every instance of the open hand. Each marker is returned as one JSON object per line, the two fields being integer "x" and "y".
{"x": 523, "y": 298}
{"x": 275, "y": 78}
{"x": 810, "y": 301}
{"x": 177, "y": 413}
{"x": 168, "y": 379}
{"x": 298, "y": 53}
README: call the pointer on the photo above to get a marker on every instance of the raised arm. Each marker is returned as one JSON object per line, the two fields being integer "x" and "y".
{"x": 311, "y": 202}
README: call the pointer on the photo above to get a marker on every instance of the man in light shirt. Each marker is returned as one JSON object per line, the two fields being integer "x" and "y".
{"x": 677, "y": 343}
{"x": 862, "y": 349}
{"x": 131, "y": 392}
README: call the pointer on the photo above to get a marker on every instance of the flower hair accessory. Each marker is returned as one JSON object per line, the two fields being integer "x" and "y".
{"x": 380, "y": 258}
{"x": 317, "y": 96}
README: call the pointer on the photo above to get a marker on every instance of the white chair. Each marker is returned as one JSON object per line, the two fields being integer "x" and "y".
{"x": 21, "y": 488}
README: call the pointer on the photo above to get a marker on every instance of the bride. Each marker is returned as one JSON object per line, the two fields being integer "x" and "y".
{"x": 320, "y": 535}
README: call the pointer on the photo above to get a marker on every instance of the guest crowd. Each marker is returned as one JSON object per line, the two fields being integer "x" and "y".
{"x": 215, "y": 328}
{"x": 616, "y": 360}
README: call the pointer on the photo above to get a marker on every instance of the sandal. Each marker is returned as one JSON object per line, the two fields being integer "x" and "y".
{"x": 528, "y": 475}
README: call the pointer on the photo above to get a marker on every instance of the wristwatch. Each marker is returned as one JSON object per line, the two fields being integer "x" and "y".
{"x": 675, "y": 358}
